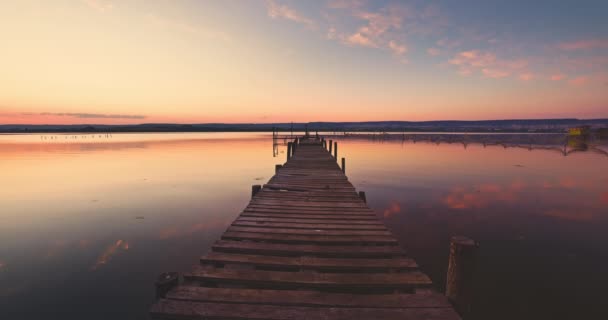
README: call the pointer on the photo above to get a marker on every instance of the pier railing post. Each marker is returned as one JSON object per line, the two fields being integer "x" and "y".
{"x": 461, "y": 265}
{"x": 288, "y": 150}
{"x": 343, "y": 165}
{"x": 255, "y": 189}
{"x": 277, "y": 168}
{"x": 330, "y": 146}
{"x": 336, "y": 150}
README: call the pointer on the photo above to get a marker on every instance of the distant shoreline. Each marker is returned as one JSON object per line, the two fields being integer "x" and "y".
{"x": 482, "y": 126}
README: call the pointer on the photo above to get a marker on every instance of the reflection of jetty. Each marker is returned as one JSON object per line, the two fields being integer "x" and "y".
{"x": 564, "y": 144}
{"x": 306, "y": 247}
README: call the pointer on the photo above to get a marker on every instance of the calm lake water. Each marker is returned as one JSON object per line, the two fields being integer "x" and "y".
{"x": 87, "y": 222}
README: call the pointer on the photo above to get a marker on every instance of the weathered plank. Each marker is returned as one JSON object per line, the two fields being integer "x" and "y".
{"x": 306, "y": 262}
{"x": 312, "y": 280}
{"x": 311, "y": 239}
{"x": 176, "y": 309}
{"x": 279, "y": 249}
{"x": 308, "y": 298}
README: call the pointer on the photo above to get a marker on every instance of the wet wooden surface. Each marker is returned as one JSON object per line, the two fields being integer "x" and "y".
{"x": 306, "y": 247}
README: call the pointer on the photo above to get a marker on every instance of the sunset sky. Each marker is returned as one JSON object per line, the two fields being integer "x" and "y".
{"x": 189, "y": 61}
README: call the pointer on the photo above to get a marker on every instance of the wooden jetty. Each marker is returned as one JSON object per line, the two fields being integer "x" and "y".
{"x": 306, "y": 247}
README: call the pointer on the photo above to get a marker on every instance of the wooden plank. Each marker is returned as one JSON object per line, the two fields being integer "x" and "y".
{"x": 312, "y": 280}
{"x": 314, "y": 232}
{"x": 309, "y": 239}
{"x": 263, "y": 214}
{"x": 308, "y": 298}
{"x": 310, "y": 262}
{"x": 350, "y": 251}
{"x": 294, "y": 225}
{"x": 175, "y": 309}
{"x": 311, "y": 221}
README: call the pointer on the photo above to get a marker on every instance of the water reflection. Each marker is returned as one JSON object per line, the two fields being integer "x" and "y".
{"x": 113, "y": 213}
{"x": 540, "y": 218}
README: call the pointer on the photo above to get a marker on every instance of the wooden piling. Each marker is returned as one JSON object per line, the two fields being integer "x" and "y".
{"x": 288, "y": 151}
{"x": 362, "y": 196}
{"x": 330, "y": 146}
{"x": 461, "y": 265}
{"x": 255, "y": 189}
{"x": 344, "y": 165}
{"x": 165, "y": 282}
{"x": 277, "y": 168}
{"x": 336, "y": 151}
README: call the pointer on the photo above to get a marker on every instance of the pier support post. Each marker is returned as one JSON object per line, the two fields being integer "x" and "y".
{"x": 255, "y": 189}
{"x": 344, "y": 165}
{"x": 288, "y": 150}
{"x": 362, "y": 196}
{"x": 165, "y": 282}
{"x": 461, "y": 265}
{"x": 336, "y": 150}
{"x": 294, "y": 146}
{"x": 330, "y": 146}
{"x": 277, "y": 168}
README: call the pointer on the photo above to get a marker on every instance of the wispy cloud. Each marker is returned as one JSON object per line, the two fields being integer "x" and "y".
{"x": 580, "y": 80}
{"x": 489, "y": 65}
{"x": 99, "y": 5}
{"x": 433, "y": 52}
{"x": 89, "y": 115}
{"x": 276, "y": 10}
{"x": 587, "y": 44}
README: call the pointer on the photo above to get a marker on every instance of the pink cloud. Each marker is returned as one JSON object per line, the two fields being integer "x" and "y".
{"x": 282, "y": 11}
{"x": 557, "y": 77}
{"x": 579, "y": 81}
{"x": 527, "y": 76}
{"x": 489, "y": 65}
{"x": 361, "y": 40}
{"x": 588, "y": 44}
{"x": 398, "y": 49}
{"x": 433, "y": 52}
{"x": 345, "y": 4}
{"x": 495, "y": 73}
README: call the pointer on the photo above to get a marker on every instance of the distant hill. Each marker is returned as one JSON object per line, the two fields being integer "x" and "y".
{"x": 532, "y": 125}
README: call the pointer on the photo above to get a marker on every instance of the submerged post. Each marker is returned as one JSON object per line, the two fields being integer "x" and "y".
{"x": 165, "y": 282}
{"x": 336, "y": 150}
{"x": 344, "y": 165}
{"x": 362, "y": 196}
{"x": 255, "y": 189}
{"x": 459, "y": 285}
{"x": 288, "y": 150}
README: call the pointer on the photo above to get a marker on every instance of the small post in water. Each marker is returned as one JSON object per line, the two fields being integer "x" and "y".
{"x": 343, "y": 165}
{"x": 255, "y": 189}
{"x": 165, "y": 282}
{"x": 362, "y": 196}
{"x": 461, "y": 265}
{"x": 336, "y": 150}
